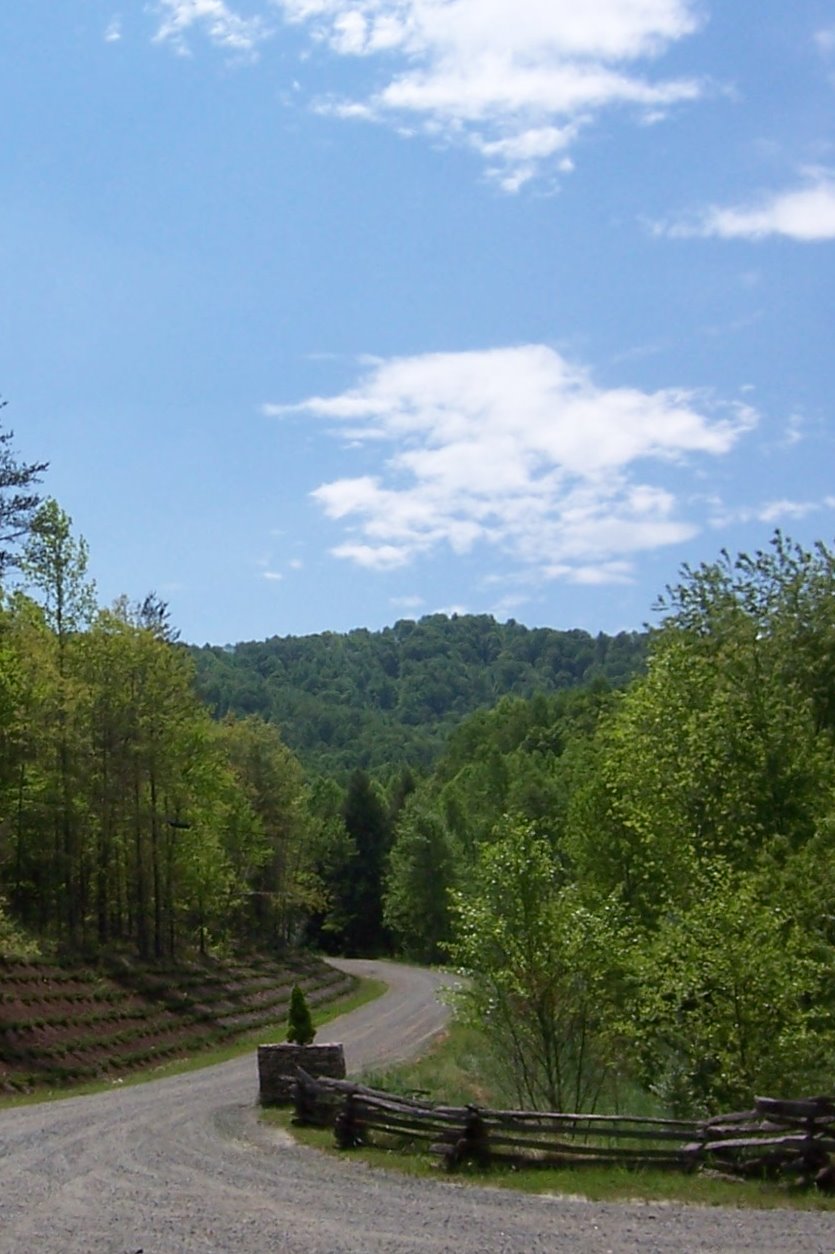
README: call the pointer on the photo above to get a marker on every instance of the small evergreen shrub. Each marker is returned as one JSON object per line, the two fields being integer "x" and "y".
{"x": 300, "y": 1030}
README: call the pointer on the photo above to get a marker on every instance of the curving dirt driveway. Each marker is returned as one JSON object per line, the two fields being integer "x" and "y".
{"x": 183, "y": 1164}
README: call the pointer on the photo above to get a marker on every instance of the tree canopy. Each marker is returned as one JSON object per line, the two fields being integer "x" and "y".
{"x": 376, "y": 700}
{"x": 18, "y": 497}
{"x": 689, "y": 819}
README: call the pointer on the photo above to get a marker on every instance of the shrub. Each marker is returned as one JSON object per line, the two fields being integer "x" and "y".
{"x": 300, "y": 1030}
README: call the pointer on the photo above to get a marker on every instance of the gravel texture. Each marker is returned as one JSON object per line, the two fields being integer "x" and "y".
{"x": 183, "y": 1164}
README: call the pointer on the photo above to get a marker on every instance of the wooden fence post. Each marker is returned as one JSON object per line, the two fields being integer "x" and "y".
{"x": 473, "y": 1145}
{"x": 348, "y": 1128}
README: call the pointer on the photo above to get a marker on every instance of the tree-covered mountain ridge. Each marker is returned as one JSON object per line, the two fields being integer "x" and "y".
{"x": 377, "y": 699}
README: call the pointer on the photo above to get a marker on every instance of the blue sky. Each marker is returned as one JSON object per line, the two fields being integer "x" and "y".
{"x": 332, "y": 312}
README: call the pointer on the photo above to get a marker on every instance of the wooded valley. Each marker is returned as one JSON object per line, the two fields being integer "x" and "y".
{"x": 628, "y": 843}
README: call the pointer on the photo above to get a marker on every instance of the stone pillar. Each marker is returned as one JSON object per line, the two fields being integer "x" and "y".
{"x": 277, "y": 1068}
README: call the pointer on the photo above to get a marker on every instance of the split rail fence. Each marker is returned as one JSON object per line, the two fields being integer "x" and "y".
{"x": 775, "y": 1139}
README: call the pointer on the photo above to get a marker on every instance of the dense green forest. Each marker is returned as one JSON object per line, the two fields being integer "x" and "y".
{"x": 639, "y": 883}
{"x": 634, "y": 869}
{"x": 126, "y": 814}
{"x": 377, "y": 700}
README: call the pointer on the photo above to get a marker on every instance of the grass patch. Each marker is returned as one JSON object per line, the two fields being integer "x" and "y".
{"x": 596, "y": 1184}
{"x": 367, "y": 990}
{"x": 461, "y": 1069}
{"x": 458, "y": 1070}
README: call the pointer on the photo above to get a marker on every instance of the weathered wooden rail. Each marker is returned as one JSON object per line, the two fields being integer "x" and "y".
{"x": 775, "y": 1139}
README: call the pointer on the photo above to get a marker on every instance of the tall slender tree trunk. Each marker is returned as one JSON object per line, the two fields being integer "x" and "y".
{"x": 140, "y": 889}
{"x": 155, "y": 869}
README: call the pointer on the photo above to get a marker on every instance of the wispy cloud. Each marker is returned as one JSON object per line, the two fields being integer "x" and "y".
{"x": 515, "y": 80}
{"x": 113, "y": 31}
{"x": 794, "y": 432}
{"x": 517, "y": 449}
{"x": 805, "y": 213}
{"x": 782, "y": 510}
{"x": 509, "y": 605}
{"x": 825, "y": 40}
{"x": 215, "y": 19}
{"x": 602, "y": 573}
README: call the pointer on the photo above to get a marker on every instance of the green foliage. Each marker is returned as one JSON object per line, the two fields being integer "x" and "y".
{"x": 18, "y": 498}
{"x": 721, "y": 750}
{"x": 707, "y": 807}
{"x": 732, "y": 1001}
{"x": 14, "y": 943}
{"x": 332, "y": 852}
{"x": 126, "y": 815}
{"x": 546, "y": 972}
{"x": 300, "y": 1029}
{"x": 360, "y": 892}
{"x": 55, "y": 563}
{"x": 377, "y": 700}
{"x": 274, "y": 850}
{"x": 419, "y": 877}
{"x": 519, "y": 758}
{"x": 635, "y": 880}
{"x": 669, "y": 846}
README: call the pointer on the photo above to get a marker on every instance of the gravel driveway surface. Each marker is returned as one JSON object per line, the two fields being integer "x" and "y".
{"x": 183, "y": 1164}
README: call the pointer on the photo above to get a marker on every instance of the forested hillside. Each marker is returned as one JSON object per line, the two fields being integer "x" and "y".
{"x": 379, "y": 700}
{"x": 130, "y": 817}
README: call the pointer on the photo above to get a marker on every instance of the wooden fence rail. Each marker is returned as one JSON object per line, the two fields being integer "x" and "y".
{"x": 774, "y": 1139}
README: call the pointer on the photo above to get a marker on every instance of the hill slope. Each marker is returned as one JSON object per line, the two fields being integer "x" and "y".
{"x": 63, "y": 1023}
{"x": 377, "y": 699}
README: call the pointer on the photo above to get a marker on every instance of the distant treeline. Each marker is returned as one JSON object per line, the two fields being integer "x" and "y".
{"x": 377, "y": 700}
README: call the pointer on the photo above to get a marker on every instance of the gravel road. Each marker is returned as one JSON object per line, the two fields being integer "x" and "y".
{"x": 182, "y": 1165}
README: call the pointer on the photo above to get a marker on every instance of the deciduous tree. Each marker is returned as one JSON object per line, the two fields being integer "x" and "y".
{"x": 546, "y": 971}
{"x": 18, "y": 498}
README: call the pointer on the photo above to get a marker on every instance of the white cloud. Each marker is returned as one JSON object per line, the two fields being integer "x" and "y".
{"x": 373, "y": 556}
{"x": 220, "y": 24}
{"x": 593, "y": 576}
{"x": 273, "y": 575}
{"x": 771, "y": 512}
{"x": 516, "y": 80}
{"x": 516, "y": 449}
{"x": 113, "y": 32}
{"x": 774, "y": 511}
{"x": 805, "y": 214}
{"x": 825, "y": 40}
{"x": 794, "y": 432}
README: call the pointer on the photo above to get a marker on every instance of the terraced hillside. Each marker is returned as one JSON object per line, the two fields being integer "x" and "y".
{"x": 62, "y": 1024}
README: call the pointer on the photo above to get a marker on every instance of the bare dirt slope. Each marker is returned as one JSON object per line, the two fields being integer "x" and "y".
{"x": 183, "y": 1164}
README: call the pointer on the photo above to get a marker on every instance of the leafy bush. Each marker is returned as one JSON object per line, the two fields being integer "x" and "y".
{"x": 300, "y": 1030}
{"x": 13, "y": 942}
